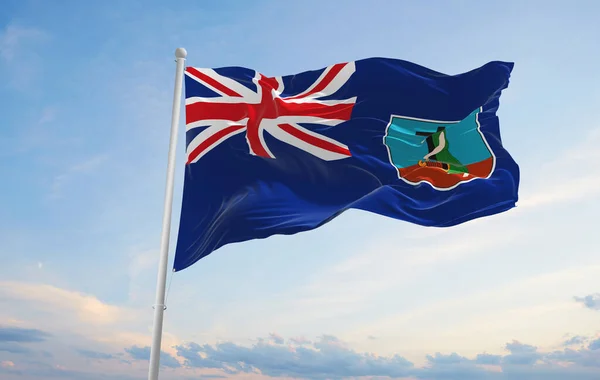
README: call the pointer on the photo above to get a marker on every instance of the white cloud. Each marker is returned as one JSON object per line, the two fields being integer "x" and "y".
{"x": 331, "y": 358}
{"x": 64, "y": 303}
{"x": 75, "y": 316}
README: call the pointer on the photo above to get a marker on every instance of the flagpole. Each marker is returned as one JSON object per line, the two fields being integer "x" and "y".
{"x": 159, "y": 304}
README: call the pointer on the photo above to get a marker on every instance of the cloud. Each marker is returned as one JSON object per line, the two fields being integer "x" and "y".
{"x": 595, "y": 345}
{"x": 327, "y": 358}
{"x": 143, "y": 353}
{"x": 330, "y": 358}
{"x": 13, "y": 348}
{"x": 521, "y": 354}
{"x": 83, "y": 307}
{"x": 486, "y": 317}
{"x": 7, "y": 364}
{"x": 488, "y": 359}
{"x": 591, "y": 301}
{"x": 75, "y": 319}
{"x": 299, "y": 341}
{"x": 453, "y": 358}
{"x": 276, "y": 338}
{"x": 17, "y": 334}
{"x": 41, "y": 370}
{"x": 575, "y": 340}
{"x": 37, "y": 363}
{"x": 95, "y": 355}
{"x": 11, "y": 339}
{"x": 586, "y": 356}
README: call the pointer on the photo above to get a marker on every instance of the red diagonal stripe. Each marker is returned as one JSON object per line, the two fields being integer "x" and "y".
{"x": 335, "y": 69}
{"x": 215, "y": 111}
{"x": 315, "y": 141}
{"x": 336, "y": 112}
{"x": 211, "y": 140}
{"x": 212, "y": 82}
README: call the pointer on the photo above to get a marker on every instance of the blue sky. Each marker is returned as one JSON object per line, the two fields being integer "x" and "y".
{"x": 86, "y": 89}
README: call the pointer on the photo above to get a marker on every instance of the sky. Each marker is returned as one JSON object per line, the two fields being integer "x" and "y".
{"x": 86, "y": 91}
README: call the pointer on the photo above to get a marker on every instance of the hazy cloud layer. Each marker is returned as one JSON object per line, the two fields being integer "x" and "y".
{"x": 591, "y": 301}
{"x": 14, "y": 339}
{"x": 330, "y": 358}
{"x": 95, "y": 354}
{"x": 143, "y": 353}
{"x": 22, "y": 335}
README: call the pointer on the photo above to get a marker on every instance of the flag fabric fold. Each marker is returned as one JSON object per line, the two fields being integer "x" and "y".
{"x": 282, "y": 155}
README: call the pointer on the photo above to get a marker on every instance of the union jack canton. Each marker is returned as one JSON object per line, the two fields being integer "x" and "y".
{"x": 267, "y": 108}
{"x": 280, "y": 155}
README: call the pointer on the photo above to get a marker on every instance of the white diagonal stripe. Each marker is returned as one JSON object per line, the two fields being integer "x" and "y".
{"x": 222, "y": 99}
{"x": 207, "y": 133}
{"x": 232, "y": 84}
{"x": 206, "y": 123}
{"x": 336, "y": 83}
{"x": 323, "y": 154}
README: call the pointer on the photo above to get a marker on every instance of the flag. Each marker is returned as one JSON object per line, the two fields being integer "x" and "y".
{"x": 268, "y": 155}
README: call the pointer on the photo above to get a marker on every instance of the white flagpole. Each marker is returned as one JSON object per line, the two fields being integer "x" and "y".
{"x": 159, "y": 304}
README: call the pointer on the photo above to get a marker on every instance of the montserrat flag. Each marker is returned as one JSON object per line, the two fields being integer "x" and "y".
{"x": 280, "y": 155}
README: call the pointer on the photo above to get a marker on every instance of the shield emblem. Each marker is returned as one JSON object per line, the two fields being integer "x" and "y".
{"x": 443, "y": 154}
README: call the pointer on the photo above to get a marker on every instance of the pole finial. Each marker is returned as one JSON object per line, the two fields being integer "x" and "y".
{"x": 180, "y": 53}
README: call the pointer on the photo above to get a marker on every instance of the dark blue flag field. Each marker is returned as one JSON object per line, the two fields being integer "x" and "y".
{"x": 283, "y": 155}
